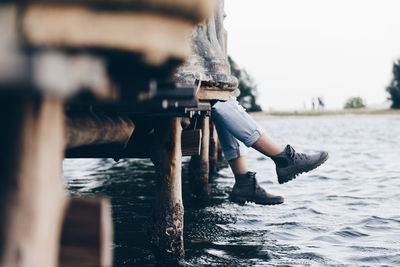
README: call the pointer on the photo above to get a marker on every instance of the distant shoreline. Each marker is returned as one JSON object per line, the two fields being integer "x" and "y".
{"x": 318, "y": 113}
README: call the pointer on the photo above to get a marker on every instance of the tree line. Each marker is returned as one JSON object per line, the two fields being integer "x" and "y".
{"x": 394, "y": 87}
{"x": 248, "y": 87}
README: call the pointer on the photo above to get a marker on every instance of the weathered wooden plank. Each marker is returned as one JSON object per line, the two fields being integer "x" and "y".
{"x": 207, "y": 94}
{"x": 191, "y": 142}
{"x": 167, "y": 236}
{"x": 32, "y": 195}
{"x": 87, "y": 233}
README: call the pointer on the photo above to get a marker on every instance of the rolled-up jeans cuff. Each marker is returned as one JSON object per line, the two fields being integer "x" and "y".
{"x": 234, "y": 153}
{"x": 254, "y": 137}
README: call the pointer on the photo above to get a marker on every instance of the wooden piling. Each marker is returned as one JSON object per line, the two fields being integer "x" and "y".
{"x": 199, "y": 168}
{"x": 167, "y": 236}
{"x": 32, "y": 197}
{"x": 213, "y": 148}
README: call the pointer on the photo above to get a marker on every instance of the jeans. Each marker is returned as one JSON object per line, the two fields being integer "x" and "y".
{"x": 233, "y": 125}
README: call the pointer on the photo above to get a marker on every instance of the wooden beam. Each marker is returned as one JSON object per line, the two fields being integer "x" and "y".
{"x": 167, "y": 236}
{"x": 83, "y": 129}
{"x": 87, "y": 233}
{"x": 140, "y": 147}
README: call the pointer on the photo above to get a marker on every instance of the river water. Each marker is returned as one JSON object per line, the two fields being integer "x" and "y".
{"x": 345, "y": 213}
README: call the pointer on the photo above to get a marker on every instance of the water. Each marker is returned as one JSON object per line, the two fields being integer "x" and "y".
{"x": 346, "y": 213}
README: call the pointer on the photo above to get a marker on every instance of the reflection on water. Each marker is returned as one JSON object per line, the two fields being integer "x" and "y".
{"x": 344, "y": 213}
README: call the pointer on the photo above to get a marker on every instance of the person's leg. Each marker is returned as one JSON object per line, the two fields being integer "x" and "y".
{"x": 233, "y": 117}
{"x": 238, "y": 165}
{"x": 234, "y": 151}
{"x": 246, "y": 187}
{"x": 267, "y": 146}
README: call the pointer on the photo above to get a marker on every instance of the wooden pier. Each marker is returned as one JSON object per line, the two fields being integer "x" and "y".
{"x": 103, "y": 79}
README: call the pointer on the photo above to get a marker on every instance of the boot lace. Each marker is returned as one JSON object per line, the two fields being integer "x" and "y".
{"x": 254, "y": 180}
{"x": 293, "y": 155}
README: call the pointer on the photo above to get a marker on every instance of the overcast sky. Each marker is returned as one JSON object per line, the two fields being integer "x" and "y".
{"x": 299, "y": 49}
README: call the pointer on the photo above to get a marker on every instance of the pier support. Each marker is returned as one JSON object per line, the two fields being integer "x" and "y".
{"x": 167, "y": 236}
{"x": 32, "y": 197}
{"x": 199, "y": 168}
{"x": 214, "y": 142}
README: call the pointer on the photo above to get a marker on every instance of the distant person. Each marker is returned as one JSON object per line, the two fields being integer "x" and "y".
{"x": 321, "y": 102}
{"x": 235, "y": 128}
{"x": 313, "y": 103}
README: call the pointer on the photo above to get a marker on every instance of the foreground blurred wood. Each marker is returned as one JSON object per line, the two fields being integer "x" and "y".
{"x": 156, "y": 29}
{"x": 32, "y": 197}
{"x": 101, "y": 57}
{"x": 87, "y": 233}
{"x": 167, "y": 236}
{"x": 199, "y": 168}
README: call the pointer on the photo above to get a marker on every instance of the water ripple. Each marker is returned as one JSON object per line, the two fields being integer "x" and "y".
{"x": 342, "y": 214}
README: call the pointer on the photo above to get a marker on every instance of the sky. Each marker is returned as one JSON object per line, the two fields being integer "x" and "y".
{"x": 300, "y": 49}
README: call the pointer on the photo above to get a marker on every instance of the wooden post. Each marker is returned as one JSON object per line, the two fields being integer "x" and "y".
{"x": 213, "y": 148}
{"x": 167, "y": 237}
{"x": 199, "y": 168}
{"x": 32, "y": 196}
{"x": 87, "y": 233}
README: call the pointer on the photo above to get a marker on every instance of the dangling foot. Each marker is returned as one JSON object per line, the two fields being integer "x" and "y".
{"x": 246, "y": 189}
{"x": 289, "y": 163}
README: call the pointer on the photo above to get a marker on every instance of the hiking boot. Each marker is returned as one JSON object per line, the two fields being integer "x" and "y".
{"x": 246, "y": 189}
{"x": 289, "y": 163}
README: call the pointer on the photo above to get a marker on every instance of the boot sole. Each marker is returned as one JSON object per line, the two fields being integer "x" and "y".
{"x": 243, "y": 200}
{"x": 289, "y": 177}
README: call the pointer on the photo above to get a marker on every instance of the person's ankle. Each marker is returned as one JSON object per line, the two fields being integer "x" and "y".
{"x": 280, "y": 160}
{"x": 244, "y": 177}
{"x": 276, "y": 153}
{"x": 241, "y": 173}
